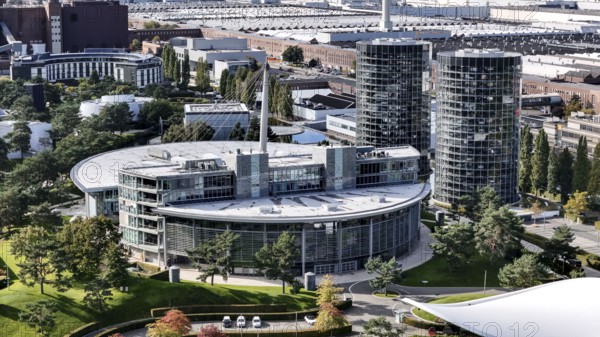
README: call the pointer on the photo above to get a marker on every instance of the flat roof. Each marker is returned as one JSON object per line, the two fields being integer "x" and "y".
{"x": 101, "y": 172}
{"x": 477, "y": 53}
{"x": 305, "y": 208}
{"x": 394, "y": 42}
{"x": 218, "y": 108}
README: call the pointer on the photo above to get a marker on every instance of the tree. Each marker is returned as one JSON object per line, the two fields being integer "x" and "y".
{"x": 166, "y": 56}
{"x": 498, "y": 233}
{"x": 285, "y": 102}
{"x": 524, "y": 272}
{"x": 156, "y": 38}
{"x": 94, "y": 77}
{"x": 387, "y": 272}
{"x": 559, "y": 245}
{"x": 20, "y": 137}
{"x": 273, "y": 86}
{"x": 565, "y": 167}
{"x": 293, "y": 54}
{"x": 253, "y": 134}
{"x": 151, "y": 25}
{"x": 177, "y": 321}
{"x": 160, "y": 329}
{"x": 593, "y": 186}
{"x": 135, "y": 45}
{"x": 40, "y": 315}
{"x": 380, "y": 327}
{"x": 185, "y": 71}
{"x": 249, "y": 91}
{"x": 313, "y": 63}
{"x": 553, "y": 173}
{"x": 65, "y": 119}
{"x": 210, "y": 331}
{"x": 230, "y": 92}
{"x": 97, "y": 293}
{"x": 177, "y": 71}
{"x": 42, "y": 216}
{"x": 13, "y": 206}
{"x": 330, "y": 317}
{"x": 581, "y": 166}
{"x": 36, "y": 249}
{"x": 539, "y": 171}
{"x": 22, "y": 109}
{"x": 276, "y": 260}
{"x": 526, "y": 150}
{"x": 577, "y": 203}
{"x": 203, "y": 78}
{"x": 222, "y": 81}
{"x": 3, "y": 152}
{"x": 237, "y": 133}
{"x": 216, "y": 254}
{"x": 197, "y": 131}
{"x": 574, "y": 104}
{"x": 152, "y": 112}
{"x": 454, "y": 244}
{"x": 115, "y": 117}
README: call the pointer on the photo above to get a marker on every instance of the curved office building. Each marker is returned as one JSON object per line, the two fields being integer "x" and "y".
{"x": 392, "y": 95}
{"x": 477, "y": 123}
{"x": 342, "y": 204}
{"x": 138, "y": 69}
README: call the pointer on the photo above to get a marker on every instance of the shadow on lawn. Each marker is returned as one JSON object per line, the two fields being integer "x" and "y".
{"x": 9, "y": 312}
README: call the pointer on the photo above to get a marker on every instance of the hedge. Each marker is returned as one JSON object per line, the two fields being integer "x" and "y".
{"x": 83, "y": 330}
{"x": 417, "y": 323}
{"x": 151, "y": 271}
{"x": 535, "y": 239}
{"x": 212, "y": 308}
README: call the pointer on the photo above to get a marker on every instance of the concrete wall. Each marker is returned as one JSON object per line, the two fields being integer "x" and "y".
{"x": 340, "y": 166}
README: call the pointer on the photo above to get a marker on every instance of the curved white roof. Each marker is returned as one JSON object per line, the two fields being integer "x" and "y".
{"x": 557, "y": 309}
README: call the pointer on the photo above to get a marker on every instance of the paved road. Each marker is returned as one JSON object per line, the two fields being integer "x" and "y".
{"x": 586, "y": 236}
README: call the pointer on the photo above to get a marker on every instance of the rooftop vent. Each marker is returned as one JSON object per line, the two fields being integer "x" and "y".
{"x": 330, "y": 207}
{"x": 265, "y": 210}
{"x": 378, "y": 199}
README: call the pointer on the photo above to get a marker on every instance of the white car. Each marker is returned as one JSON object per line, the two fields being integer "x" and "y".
{"x": 310, "y": 319}
{"x": 241, "y": 322}
{"x": 256, "y": 323}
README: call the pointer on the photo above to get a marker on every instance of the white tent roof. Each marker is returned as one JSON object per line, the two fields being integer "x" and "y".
{"x": 557, "y": 309}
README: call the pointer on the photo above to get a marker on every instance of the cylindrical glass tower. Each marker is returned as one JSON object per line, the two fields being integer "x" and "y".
{"x": 392, "y": 95}
{"x": 477, "y": 123}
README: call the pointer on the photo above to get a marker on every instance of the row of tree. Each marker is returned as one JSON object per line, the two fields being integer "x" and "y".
{"x": 178, "y": 71}
{"x": 541, "y": 169}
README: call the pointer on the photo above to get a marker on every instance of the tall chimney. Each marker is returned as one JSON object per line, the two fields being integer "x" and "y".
{"x": 264, "y": 111}
{"x": 386, "y": 24}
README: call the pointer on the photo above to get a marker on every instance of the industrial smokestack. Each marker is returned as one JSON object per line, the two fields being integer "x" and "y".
{"x": 386, "y": 24}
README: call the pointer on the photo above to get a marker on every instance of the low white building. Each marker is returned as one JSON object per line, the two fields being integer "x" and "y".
{"x": 221, "y": 117}
{"x": 210, "y": 50}
{"x": 342, "y": 126}
{"x": 318, "y": 107}
{"x": 40, "y": 136}
{"x": 93, "y": 107}
{"x": 231, "y": 65}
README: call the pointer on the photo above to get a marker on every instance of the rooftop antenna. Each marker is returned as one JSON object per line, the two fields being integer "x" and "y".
{"x": 264, "y": 113}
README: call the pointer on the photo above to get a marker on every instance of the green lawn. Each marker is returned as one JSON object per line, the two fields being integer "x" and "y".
{"x": 143, "y": 295}
{"x": 449, "y": 299}
{"x": 437, "y": 274}
{"x": 390, "y": 294}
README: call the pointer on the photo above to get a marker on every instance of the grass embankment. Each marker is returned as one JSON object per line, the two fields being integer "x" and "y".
{"x": 143, "y": 295}
{"x": 428, "y": 219}
{"x": 390, "y": 294}
{"x": 445, "y": 300}
{"x": 437, "y": 274}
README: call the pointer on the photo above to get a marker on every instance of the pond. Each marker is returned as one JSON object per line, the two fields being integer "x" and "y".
{"x": 308, "y": 137}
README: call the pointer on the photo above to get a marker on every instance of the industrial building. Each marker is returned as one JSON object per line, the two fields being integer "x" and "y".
{"x": 392, "y": 95}
{"x": 477, "y": 123}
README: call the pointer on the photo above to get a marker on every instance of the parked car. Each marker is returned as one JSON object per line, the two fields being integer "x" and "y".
{"x": 574, "y": 263}
{"x": 227, "y": 322}
{"x": 310, "y": 319}
{"x": 241, "y": 322}
{"x": 256, "y": 323}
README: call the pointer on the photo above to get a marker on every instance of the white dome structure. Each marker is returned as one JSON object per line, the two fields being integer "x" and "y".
{"x": 93, "y": 107}
{"x": 557, "y": 309}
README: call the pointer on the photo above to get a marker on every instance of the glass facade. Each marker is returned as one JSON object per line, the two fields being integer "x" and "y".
{"x": 477, "y": 123}
{"x": 334, "y": 245}
{"x": 392, "y": 95}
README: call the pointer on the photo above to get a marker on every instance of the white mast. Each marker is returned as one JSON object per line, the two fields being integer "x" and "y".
{"x": 264, "y": 111}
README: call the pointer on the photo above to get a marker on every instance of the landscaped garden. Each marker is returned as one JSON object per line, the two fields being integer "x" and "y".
{"x": 445, "y": 300}
{"x": 437, "y": 273}
{"x": 143, "y": 294}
